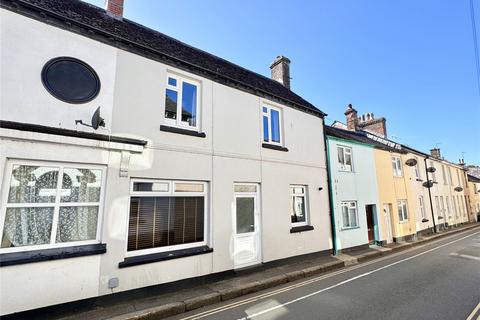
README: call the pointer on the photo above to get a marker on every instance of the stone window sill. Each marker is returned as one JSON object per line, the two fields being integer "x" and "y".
{"x": 274, "y": 147}
{"x": 301, "y": 229}
{"x": 182, "y": 131}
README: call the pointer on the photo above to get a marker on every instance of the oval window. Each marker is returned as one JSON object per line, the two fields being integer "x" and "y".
{"x": 70, "y": 80}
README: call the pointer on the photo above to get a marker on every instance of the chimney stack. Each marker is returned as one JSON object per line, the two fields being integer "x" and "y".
{"x": 281, "y": 70}
{"x": 377, "y": 126}
{"x": 352, "y": 119}
{"x": 435, "y": 152}
{"x": 114, "y": 8}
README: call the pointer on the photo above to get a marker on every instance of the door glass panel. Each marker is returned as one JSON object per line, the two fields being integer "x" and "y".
{"x": 245, "y": 215}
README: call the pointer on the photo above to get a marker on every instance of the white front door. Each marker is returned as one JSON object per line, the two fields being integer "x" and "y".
{"x": 388, "y": 222}
{"x": 246, "y": 226}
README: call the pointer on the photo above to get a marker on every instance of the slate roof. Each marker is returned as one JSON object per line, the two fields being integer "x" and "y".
{"x": 94, "y": 22}
{"x": 365, "y": 137}
{"x": 473, "y": 178}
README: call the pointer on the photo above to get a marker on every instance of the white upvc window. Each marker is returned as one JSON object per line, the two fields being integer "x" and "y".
{"x": 449, "y": 171}
{"x": 447, "y": 201}
{"x": 298, "y": 205}
{"x": 418, "y": 175}
{"x": 444, "y": 176}
{"x": 50, "y": 204}
{"x": 442, "y": 206}
{"x": 402, "y": 210}
{"x": 166, "y": 215}
{"x": 434, "y": 175}
{"x": 345, "y": 158}
{"x": 349, "y": 214}
{"x": 422, "y": 207}
{"x": 272, "y": 128}
{"x": 182, "y": 102}
{"x": 397, "y": 166}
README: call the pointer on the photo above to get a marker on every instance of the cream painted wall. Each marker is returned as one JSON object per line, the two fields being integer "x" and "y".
{"x": 391, "y": 189}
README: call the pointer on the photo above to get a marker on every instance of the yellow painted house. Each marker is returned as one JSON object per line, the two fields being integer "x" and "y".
{"x": 398, "y": 221}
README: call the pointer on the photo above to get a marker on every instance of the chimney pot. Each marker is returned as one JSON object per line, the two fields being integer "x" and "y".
{"x": 114, "y": 8}
{"x": 280, "y": 69}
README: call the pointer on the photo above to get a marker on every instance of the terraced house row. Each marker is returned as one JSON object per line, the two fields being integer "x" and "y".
{"x": 130, "y": 159}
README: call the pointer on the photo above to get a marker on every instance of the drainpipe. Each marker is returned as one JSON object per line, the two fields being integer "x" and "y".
{"x": 330, "y": 192}
{"x": 430, "y": 196}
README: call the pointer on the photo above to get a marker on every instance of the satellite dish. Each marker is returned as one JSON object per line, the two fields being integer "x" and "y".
{"x": 97, "y": 121}
{"x": 431, "y": 169}
{"x": 458, "y": 189}
{"x": 411, "y": 162}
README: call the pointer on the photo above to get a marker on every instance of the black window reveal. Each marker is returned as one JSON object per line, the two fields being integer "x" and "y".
{"x": 70, "y": 80}
{"x": 165, "y": 221}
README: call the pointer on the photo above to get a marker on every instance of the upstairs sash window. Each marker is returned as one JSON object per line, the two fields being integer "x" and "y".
{"x": 272, "y": 125}
{"x": 397, "y": 166}
{"x": 345, "y": 158}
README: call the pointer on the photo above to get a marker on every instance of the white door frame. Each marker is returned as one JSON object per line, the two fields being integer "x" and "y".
{"x": 387, "y": 215}
{"x": 254, "y": 236}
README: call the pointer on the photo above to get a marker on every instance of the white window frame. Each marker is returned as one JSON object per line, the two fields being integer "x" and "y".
{"x": 170, "y": 193}
{"x": 56, "y": 205}
{"x": 397, "y": 166}
{"x": 178, "y": 88}
{"x": 417, "y": 169}
{"x": 447, "y": 201}
{"x": 305, "y": 200}
{"x": 403, "y": 204}
{"x": 434, "y": 175}
{"x": 444, "y": 175}
{"x": 280, "y": 123}
{"x": 421, "y": 201}
{"x": 345, "y": 150}
{"x": 349, "y": 204}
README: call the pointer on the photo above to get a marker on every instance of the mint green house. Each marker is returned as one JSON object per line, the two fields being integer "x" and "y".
{"x": 353, "y": 189}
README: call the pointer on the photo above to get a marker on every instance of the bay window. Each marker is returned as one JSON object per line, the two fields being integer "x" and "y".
{"x": 166, "y": 215}
{"x": 50, "y": 205}
{"x": 182, "y": 102}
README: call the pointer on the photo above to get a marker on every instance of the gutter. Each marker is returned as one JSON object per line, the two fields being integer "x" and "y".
{"x": 330, "y": 192}
{"x": 430, "y": 195}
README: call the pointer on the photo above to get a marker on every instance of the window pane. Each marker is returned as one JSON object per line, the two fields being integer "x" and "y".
{"x": 81, "y": 185}
{"x": 150, "y": 186}
{"x": 33, "y": 184}
{"x": 27, "y": 226}
{"x": 172, "y": 82}
{"x": 77, "y": 224}
{"x": 297, "y": 209}
{"x": 245, "y": 188}
{"x": 346, "y": 220}
{"x": 189, "y": 103}
{"x": 348, "y": 159}
{"x": 353, "y": 217}
{"x": 275, "y": 121}
{"x": 266, "y": 137}
{"x": 245, "y": 215}
{"x": 171, "y": 104}
{"x": 341, "y": 158}
{"x": 188, "y": 187}
{"x": 165, "y": 221}
{"x": 298, "y": 190}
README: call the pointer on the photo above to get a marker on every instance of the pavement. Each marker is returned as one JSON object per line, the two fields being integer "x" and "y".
{"x": 194, "y": 300}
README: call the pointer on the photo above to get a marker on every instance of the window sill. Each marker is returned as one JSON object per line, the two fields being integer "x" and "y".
{"x": 351, "y": 228}
{"x": 186, "y": 132}
{"x": 15, "y": 258}
{"x": 301, "y": 229}
{"x": 274, "y": 147}
{"x": 419, "y": 180}
{"x": 162, "y": 256}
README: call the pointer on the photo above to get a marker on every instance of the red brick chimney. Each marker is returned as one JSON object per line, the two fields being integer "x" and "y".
{"x": 114, "y": 8}
{"x": 352, "y": 119}
{"x": 377, "y": 126}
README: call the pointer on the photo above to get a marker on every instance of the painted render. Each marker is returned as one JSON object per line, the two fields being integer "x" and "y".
{"x": 390, "y": 190}
{"x": 358, "y": 185}
{"x": 132, "y": 103}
